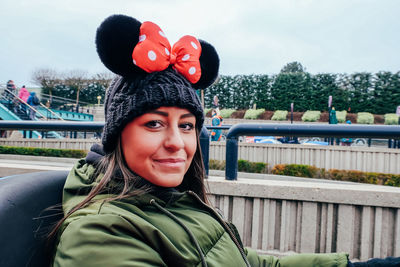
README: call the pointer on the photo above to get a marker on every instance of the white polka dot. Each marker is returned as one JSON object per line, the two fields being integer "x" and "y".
{"x": 192, "y": 70}
{"x": 134, "y": 62}
{"x": 162, "y": 34}
{"x": 142, "y": 38}
{"x": 166, "y": 51}
{"x": 194, "y": 45}
{"x": 186, "y": 57}
{"x": 152, "y": 55}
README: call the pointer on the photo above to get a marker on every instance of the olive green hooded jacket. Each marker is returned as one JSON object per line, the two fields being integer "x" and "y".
{"x": 174, "y": 229}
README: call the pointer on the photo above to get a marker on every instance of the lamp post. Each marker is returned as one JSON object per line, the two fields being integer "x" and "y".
{"x": 291, "y": 112}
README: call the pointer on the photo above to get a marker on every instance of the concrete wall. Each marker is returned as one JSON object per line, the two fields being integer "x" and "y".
{"x": 282, "y": 217}
{"x": 369, "y": 159}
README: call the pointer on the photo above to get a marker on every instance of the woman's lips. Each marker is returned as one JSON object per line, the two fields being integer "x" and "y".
{"x": 170, "y": 162}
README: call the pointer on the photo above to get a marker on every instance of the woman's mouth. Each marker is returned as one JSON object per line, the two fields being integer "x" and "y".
{"x": 170, "y": 162}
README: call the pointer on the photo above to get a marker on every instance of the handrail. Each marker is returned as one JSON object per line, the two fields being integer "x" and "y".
{"x": 25, "y": 103}
{"x": 52, "y": 112}
{"x": 52, "y": 125}
{"x": 308, "y": 130}
{"x": 73, "y": 101}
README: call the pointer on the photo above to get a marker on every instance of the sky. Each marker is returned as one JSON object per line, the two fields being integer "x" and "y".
{"x": 251, "y": 37}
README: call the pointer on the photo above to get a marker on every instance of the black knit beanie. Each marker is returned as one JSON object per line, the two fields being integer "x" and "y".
{"x": 136, "y": 91}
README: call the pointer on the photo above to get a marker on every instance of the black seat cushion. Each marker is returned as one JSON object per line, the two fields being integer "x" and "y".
{"x": 24, "y": 220}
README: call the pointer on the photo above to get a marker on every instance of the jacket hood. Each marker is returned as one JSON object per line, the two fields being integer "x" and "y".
{"x": 33, "y": 93}
{"x": 79, "y": 183}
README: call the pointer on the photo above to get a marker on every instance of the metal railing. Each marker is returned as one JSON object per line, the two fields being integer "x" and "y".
{"x": 300, "y": 130}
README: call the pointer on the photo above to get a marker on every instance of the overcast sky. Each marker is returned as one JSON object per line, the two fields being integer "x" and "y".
{"x": 336, "y": 36}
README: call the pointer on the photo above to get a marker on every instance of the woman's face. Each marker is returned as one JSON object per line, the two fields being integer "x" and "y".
{"x": 160, "y": 145}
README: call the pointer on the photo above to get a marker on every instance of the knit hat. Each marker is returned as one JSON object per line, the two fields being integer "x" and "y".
{"x": 149, "y": 73}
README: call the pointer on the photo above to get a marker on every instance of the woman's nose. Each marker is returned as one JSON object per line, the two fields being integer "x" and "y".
{"x": 174, "y": 139}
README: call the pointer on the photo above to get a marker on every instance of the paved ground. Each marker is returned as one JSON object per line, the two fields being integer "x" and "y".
{"x": 13, "y": 164}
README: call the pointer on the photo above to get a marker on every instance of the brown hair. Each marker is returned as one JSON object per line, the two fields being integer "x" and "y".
{"x": 114, "y": 168}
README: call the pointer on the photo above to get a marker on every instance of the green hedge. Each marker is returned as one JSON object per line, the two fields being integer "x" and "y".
{"x": 226, "y": 113}
{"x": 341, "y": 116}
{"x": 365, "y": 118}
{"x": 253, "y": 113}
{"x": 279, "y": 115}
{"x": 243, "y": 166}
{"x": 391, "y": 119}
{"x": 48, "y": 152}
{"x": 334, "y": 174}
{"x": 311, "y": 115}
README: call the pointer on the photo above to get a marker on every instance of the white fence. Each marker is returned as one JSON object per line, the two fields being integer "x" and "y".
{"x": 281, "y": 217}
{"x": 369, "y": 159}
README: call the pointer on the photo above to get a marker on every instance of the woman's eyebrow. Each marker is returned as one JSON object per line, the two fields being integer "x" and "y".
{"x": 165, "y": 114}
{"x": 187, "y": 115}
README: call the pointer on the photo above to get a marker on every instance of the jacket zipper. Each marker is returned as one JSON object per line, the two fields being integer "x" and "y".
{"x": 226, "y": 227}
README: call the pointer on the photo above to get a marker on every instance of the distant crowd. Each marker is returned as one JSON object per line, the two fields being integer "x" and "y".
{"x": 24, "y": 102}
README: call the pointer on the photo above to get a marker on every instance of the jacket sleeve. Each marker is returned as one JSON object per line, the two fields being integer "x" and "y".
{"x": 298, "y": 260}
{"x": 104, "y": 240}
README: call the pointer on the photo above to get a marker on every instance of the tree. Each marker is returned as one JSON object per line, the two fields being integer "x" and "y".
{"x": 47, "y": 79}
{"x": 293, "y": 67}
{"x": 76, "y": 80}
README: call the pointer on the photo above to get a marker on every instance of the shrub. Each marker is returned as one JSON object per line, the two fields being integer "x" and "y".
{"x": 226, "y": 113}
{"x": 243, "y": 166}
{"x": 48, "y": 152}
{"x": 391, "y": 119}
{"x": 253, "y": 167}
{"x": 216, "y": 164}
{"x": 298, "y": 170}
{"x": 365, "y": 118}
{"x": 334, "y": 174}
{"x": 341, "y": 116}
{"x": 279, "y": 115}
{"x": 253, "y": 113}
{"x": 311, "y": 115}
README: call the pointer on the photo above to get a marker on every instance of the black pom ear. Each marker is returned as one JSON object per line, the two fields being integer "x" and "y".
{"x": 209, "y": 62}
{"x": 116, "y": 38}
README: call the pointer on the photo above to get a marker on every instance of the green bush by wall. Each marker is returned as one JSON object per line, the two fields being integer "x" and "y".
{"x": 47, "y": 152}
{"x": 226, "y": 113}
{"x": 391, "y": 119}
{"x": 253, "y": 114}
{"x": 311, "y": 116}
{"x": 341, "y": 116}
{"x": 279, "y": 115}
{"x": 365, "y": 118}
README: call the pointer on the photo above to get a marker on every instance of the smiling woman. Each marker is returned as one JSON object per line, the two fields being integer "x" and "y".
{"x": 160, "y": 145}
{"x": 139, "y": 199}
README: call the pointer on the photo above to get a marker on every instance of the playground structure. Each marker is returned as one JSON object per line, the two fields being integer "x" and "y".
{"x": 13, "y": 108}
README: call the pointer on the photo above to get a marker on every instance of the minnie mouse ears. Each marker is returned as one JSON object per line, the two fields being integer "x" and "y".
{"x": 130, "y": 48}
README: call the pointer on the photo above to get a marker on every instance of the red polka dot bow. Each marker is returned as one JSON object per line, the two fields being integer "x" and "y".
{"x": 153, "y": 52}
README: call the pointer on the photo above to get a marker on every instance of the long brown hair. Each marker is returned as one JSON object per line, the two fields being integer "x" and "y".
{"x": 114, "y": 169}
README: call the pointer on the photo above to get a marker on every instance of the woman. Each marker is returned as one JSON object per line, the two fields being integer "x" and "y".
{"x": 139, "y": 199}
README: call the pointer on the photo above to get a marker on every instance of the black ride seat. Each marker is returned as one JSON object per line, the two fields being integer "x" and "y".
{"x": 24, "y": 222}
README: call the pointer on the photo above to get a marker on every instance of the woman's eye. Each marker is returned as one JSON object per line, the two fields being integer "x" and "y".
{"x": 153, "y": 124}
{"x": 187, "y": 126}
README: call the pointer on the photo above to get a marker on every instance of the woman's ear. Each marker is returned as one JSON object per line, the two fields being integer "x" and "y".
{"x": 116, "y": 38}
{"x": 209, "y": 63}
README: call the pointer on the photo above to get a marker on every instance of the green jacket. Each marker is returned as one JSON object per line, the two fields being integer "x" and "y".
{"x": 174, "y": 229}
